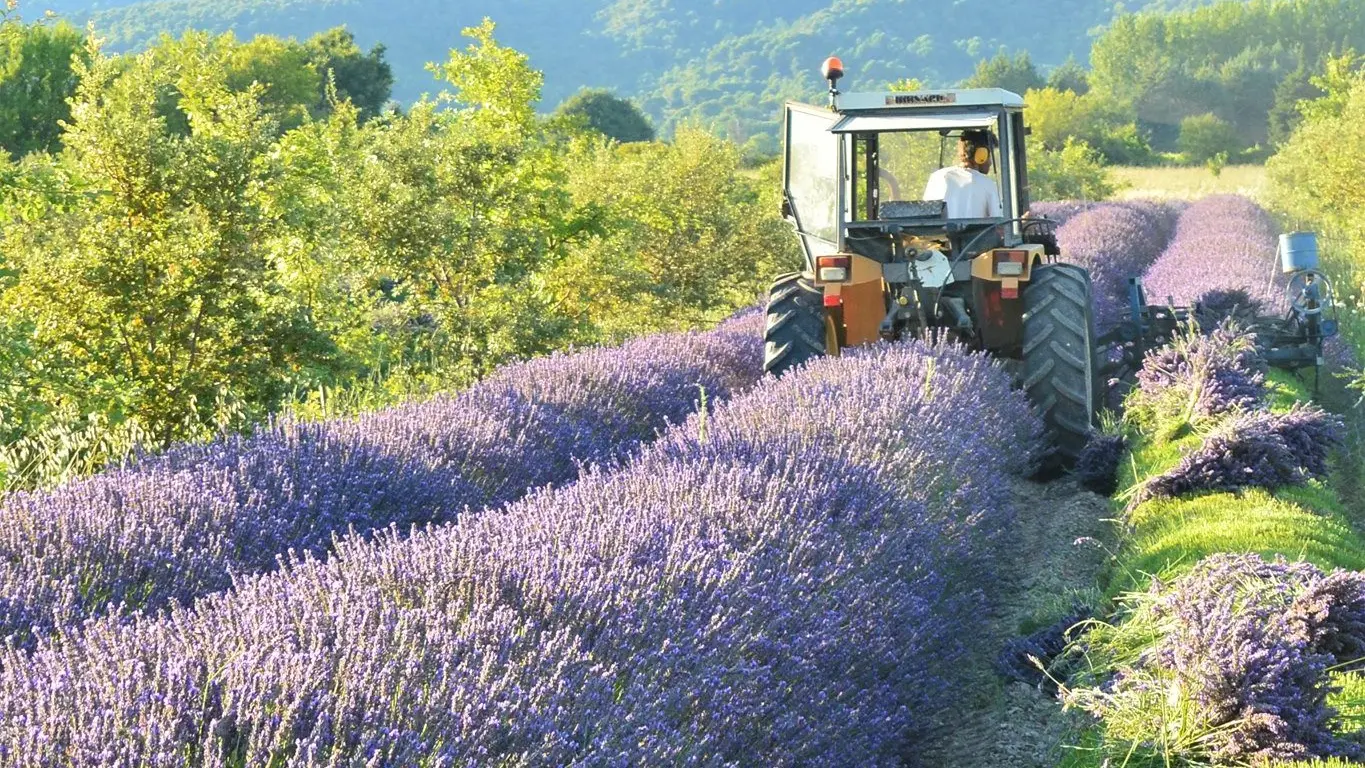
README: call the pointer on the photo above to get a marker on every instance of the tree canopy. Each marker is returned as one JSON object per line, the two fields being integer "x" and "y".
{"x": 607, "y": 114}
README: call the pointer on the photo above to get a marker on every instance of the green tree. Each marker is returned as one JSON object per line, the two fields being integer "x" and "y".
{"x": 461, "y": 211}
{"x": 1285, "y": 115}
{"x": 1059, "y": 116}
{"x": 1075, "y": 172}
{"x": 278, "y": 74}
{"x": 1315, "y": 176}
{"x": 1070, "y": 76}
{"x": 1204, "y": 137}
{"x": 36, "y": 79}
{"x": 1339, "y": 78}
{"x": 613, "y": 117}
{"x": 1225, "y": 58}
{"x": 147, "y": 295}
{"x": 689, "y": 237}
{"x": 1013, "y": 73}
{"x": 284, "y": 69}
{"x": 365, "y": 79}
{"x": 1315, "y": 183}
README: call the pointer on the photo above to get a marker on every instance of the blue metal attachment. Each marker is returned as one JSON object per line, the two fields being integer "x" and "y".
{"x": 1298, "y": 252}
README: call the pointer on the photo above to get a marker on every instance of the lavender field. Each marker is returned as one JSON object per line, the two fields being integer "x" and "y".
{"x": 641, "y": 555}
{"x": 767, "y": 582}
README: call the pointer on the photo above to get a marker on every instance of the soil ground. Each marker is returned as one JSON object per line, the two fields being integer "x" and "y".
{"x": 1014, "y": 725}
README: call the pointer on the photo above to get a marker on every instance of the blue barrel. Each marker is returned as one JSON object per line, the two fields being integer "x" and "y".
{"x": 1298, "y": 252}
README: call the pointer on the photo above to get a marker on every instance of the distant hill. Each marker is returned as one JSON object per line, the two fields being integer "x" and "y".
{"x": 726, "y": 63}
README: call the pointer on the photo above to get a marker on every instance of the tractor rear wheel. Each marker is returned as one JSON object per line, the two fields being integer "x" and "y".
{"x": 796, "y": 330}
{"x": 1059, "y": 357}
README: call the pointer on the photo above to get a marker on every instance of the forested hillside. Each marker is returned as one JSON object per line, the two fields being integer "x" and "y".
{"x": 726, "y": 63}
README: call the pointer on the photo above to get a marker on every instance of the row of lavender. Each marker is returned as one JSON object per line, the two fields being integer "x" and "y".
{"x": 1220, "y": 244}
{"x": 182, "y": 525}
{"x": 1115, "y": 242}
{"x": 786, "y": 580}
{"x": 1242, "y": 647}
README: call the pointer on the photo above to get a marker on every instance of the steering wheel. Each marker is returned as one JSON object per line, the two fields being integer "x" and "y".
{"x": 1310, "y": 288}
{"x": 890, "y": 179}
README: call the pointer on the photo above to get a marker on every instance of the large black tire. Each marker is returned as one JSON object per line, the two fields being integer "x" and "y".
{"x": 1059, "y": 358}
{"x": 795, "y": 332}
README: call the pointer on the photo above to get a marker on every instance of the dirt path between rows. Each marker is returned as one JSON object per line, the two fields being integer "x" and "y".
{"x": 1014, "y": 725}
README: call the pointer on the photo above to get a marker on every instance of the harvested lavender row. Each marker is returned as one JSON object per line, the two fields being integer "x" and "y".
{"x": 1202, "y": 375}
{"x": 1254, "y": 450}
{"x": 727, "y": 598}
{"x": 1115, "y": 242}
{"x": 179, "y": 525}
{"x": 1256, "y": 639}
{"x": 1222, "y": 243}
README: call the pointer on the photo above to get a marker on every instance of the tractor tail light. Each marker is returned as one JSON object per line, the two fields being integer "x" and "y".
{"x": 833, "y": 300}
{"x": 832, "y": 269}
{"x": 1010, "y": 263}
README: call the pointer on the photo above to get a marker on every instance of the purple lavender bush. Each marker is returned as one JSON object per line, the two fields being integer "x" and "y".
{"x": 1254, "y": 450}
{"x": 179, "y": 525}
{"x": 1224, "y": 242}
{"x": 1029, "y": 658}
{"x": 1114, "y": 242}
{"x": 905, "y": 395}
{"x": 743, "y": 592}
{"x": 1219, "y": 306}
{"x": 1199, "y": 376}
{"x": 1250, "y": 643}
{"x": 1060, "y": 211}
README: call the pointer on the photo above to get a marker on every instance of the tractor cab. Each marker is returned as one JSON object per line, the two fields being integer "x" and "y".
{"x": 858, "y": 171}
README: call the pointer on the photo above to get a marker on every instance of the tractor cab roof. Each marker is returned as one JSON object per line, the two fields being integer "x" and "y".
{"x": 923, "y": 110}
{"x": 930, "y": 101}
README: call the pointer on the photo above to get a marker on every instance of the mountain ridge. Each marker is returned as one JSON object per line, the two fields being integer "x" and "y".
{"x": 726, "y": 64}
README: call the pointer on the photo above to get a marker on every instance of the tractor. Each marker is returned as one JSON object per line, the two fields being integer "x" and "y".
{"x": 882, "y": 263}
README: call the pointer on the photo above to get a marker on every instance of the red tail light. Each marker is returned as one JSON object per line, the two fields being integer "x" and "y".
{"x": 832, "y": 269}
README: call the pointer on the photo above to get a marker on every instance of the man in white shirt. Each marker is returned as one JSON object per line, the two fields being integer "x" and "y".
{"x": 966, "y": 188}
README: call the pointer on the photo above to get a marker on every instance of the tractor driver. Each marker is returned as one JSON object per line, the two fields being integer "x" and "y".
{"x": 967, "y": 190}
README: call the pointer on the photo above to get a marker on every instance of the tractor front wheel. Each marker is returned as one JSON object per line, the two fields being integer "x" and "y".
{"x": 1059, "y": 357}
{"x": 797, "y": 330}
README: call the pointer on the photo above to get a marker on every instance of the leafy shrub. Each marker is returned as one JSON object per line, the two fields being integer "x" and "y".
{"x": 1205, "y": 137}
{"x": 614, "y": 117}
{"x": 1076, "y": 171}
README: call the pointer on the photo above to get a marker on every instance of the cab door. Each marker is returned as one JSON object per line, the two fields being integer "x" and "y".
{"x": 811, "y": 178}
